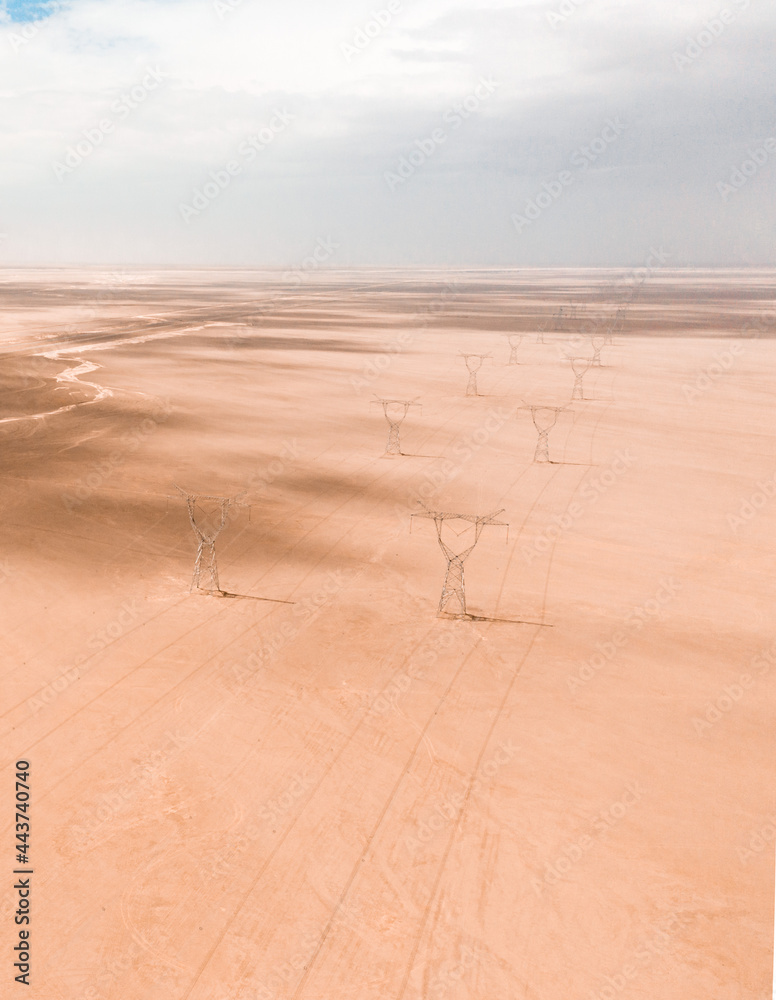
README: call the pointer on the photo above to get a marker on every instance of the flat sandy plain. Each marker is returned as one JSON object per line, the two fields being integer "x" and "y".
{"x": 318, "y": 788}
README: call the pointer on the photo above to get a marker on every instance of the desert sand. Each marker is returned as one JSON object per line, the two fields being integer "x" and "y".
{"x": 316, "y": 787}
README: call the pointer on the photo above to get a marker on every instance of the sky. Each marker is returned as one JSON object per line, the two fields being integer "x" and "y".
{"x": 387, "y": 133}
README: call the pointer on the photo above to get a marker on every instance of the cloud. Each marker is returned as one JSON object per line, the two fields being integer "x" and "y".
{"x": 228, "y": 66}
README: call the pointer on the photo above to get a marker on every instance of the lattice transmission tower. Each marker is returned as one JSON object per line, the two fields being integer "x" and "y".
{"x": 579, "y": 366}
{"x": 208, "y": 516}
{"x": 514, "y": 340}
{"x": 597, "y": 341}
{"x": 454, "y": 587}
{"x": 473, "y": 364}
{"x": 569, "y": 312}
{"x": 616, "y": 324}
{"x": 544, "y": 419}
{"x": 395, "y": 411}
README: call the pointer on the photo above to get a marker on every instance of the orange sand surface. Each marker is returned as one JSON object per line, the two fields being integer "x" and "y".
{"x": 314, "y": 786}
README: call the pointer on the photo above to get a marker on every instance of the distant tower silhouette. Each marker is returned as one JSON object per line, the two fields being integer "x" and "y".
{"x": 515, "y": 340}
{"x": 579, "y": 366}
{"x": 544, "y": 419}
{"x": 395, "y": 411}
{"x": 598, "y": 341}
{"x": 473, "y": 364}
